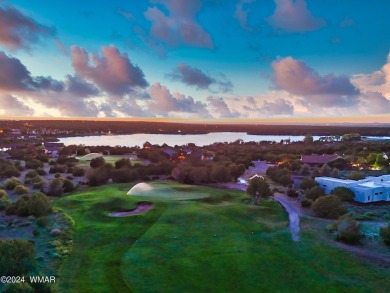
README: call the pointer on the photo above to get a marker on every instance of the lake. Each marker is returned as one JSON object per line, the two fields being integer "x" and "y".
{"x": 139, "y": 139}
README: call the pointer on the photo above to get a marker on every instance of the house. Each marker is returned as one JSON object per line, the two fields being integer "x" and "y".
{"x": 386, "y": 155}
{"x": 170, "y": 153}
{"x": 147, "y": 145}
{"x": 53, "y": 148}
{"x": 318, "y": 159}
{"x": 370, "y": 189}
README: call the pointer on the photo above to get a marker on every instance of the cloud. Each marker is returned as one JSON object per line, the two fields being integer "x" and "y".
{"x": 179, "y": 26}
{"x": 278, "y": 107}
{"x": 220, "y": 109}
{"x": 241, "y": 14}
{"x": 112, "y": 72}
{"x": 163, "y": 103}
{"x": 374, "y": 103}
{"x": 193, "y": 76}
{"x": 64, "y": 50}
{"x": 11, "y": 105}
{"x": 295, "y": 77}
{"x": 293, "y": 16}
{"x": 378, "y": 81}
{"x": 79, "y": 87}
{"x": 18, "y": 31}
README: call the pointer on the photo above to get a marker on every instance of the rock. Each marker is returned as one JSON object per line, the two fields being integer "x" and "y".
{"x": 55, "y": 232}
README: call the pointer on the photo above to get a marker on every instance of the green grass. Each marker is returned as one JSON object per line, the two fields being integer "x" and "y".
{"x": 112, "y": 159}
{"x": 215, "y": 244}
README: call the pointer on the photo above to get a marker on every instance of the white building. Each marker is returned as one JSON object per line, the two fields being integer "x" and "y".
{"x": 370, "y": 189}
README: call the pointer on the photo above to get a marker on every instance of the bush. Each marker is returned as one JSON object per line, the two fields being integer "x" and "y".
{"x": 306, "y": 202}
{"x": 329, "y": 206}
{"x": 385, "y": 234}
{"x": 34, "y": 164}
{"x": 314, "y": 193}
{"x": 308, "y": 183}
{"x": 57, "y": 175}
{"x": 58, "y": 169}
{"x": 292, "y": 192}
{"x": 78, "y": 172}
{"x": 42, "y": 221}
{"x": 31, "y": 174}
{"x": 12, "y": 183}
{"x": 97, "y": 162}
{"x": 38, "y": 205}
{"x": 16, "y": 257}
{"x": 21, "y": 189}
{"x": 68, "y": 186}
{"x": 348, "y": 230}
{"x": 11, "y": 171}
{"x": 354, "y": 175}
{"x": 18, "y": 288}
{"x": 344, "y": 193}
{"x": 55, "y": 188}
{"x": 124, "y": 162}
{"x": 41, "y": 172}
{"x": 3, "y": 194}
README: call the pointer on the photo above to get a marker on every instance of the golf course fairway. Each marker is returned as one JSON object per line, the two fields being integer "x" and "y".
{"x": 216, "y": 242}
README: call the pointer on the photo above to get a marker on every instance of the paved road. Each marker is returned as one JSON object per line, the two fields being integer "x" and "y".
{"x": 293, "y": 215}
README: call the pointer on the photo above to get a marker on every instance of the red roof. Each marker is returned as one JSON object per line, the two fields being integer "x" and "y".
{"x": 318, "y": 159}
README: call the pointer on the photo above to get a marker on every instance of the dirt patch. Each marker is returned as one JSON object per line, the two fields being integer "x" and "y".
{"x": 142, "y": 207}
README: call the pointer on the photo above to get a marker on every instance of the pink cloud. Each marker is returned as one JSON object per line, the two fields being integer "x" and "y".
{"x": 179, "y": 26}
{"x": 19, "y": 31}
{"x": 113, "y": 72}
{"x": 293, "y": 16}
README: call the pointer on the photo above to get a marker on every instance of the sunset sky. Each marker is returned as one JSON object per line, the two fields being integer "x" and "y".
{"x": 198, "y": 59}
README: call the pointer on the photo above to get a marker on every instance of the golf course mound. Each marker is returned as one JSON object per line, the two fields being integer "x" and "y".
{"x": 90, "y": 156}
{"x": 165, "y": 191}
{"x": 142, "y": 207}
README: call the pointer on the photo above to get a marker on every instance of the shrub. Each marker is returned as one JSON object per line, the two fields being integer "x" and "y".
{"x": 329, "y": 206}
{"x": 34, "y": 164}
{"x": 16, "y": 257}
{"x": 344, "y": 193}
{"x": 11, "y": 171}
{"x": 57, "y": 175}
{"x": 42, "y": 221}
{"x": 292, "y": 192}
{"x": 18, "y": 288}
{"x": 21, "y": 189}
{"x": 21, "y": 208}
{"x": 41, "y": 172}
{"x": 36, "y": 233}
{"x": 55, "y": 188}
{"x": 124, "y": 162}
{"x": 11, "y": 183}
{"x": 97, "y": 162}
{"x": 306, "y": 202}
{"x": 69, "y": 177}
{"x": 385, "y": 234}
{"x": 31, "y": 174}
{"x": 354, "y": 175}
{"x": 348, "y": 230}
{"x": 38, "y": 205}
{"x": 314, "y": 193}
{"x": 58, "y": 169}
{"x": 78, "y": 172}
{"x": 308, "y": 183}
{"x": 68, "y": 186}
{"x": 3, "y": 194}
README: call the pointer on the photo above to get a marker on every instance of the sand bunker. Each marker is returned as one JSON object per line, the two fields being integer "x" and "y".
{"x": 162, "y": 191}
{"x": 142, "y": 207}
{"x": 90, "y": 156}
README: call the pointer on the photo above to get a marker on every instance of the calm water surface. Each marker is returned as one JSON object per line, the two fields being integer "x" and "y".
{"x": 139, "y": 139}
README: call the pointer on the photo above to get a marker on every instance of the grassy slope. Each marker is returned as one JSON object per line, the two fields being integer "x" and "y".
{"x": 187, "y": 246}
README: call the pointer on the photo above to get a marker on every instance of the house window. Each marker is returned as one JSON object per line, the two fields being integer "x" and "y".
{"x": 369, "y": 197}
{"x": 376, "y": 193}
{"x": 381, "y": 192}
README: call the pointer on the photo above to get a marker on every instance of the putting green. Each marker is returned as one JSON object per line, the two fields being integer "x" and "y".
{"x": 166, "y": 191}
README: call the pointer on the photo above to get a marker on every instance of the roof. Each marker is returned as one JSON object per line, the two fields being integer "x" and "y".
{"x": 318, "y": 159}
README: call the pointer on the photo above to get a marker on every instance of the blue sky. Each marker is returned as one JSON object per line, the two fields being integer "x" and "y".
{"x": 244, "y": 59}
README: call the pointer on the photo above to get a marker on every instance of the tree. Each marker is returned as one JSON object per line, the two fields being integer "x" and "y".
{"x": 258, "y": 188}
{"x": 237, "y": 171}
{"x": 325, "y": 170}
{"x": 220, "y": 173}
{"x": 308, "y": 183}
{"x": 344, "y": 193}
{"x": 16, "y": 257}
{"x": 385, "y": 234}
{"x": 97, "y": 162}
{"x": 18, "y": 288}
{"x": 334, "y": 173}
{"x": 348, "y": 230}
{"x": 38, "y": 205}
{"x": 308, "y": 139}
{"x": 314, "y": 193}
{"x": 328, "y": 206}
{"x": 305, "y": 170}
{"x": 381, "y": 161}
{"x": 354, "y": 175}
{"x": 124, "y": 162}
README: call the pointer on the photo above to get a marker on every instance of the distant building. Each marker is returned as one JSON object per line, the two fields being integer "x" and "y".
{"x": 370, "y": 189}
{"x": 53, "y": 148}
{"x": 318, "y": 159}
{"x": 386, "y": 155}
{"x": 170, "y": 153}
